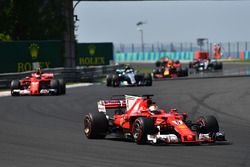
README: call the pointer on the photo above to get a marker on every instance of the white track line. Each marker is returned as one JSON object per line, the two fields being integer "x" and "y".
{"x": 7, "y": 93}
{"x": 4, "y": 93}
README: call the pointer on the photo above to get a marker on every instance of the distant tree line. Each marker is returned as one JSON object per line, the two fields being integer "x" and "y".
{"x": 32, "y": 20}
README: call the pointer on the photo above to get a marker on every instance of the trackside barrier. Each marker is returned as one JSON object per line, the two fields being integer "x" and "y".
{"x": 79, "y": 74}
{"x": 152, "y": 56}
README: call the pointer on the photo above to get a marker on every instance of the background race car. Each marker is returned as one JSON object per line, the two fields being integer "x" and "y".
{"x": 169, "y": 68}
{"x": 202, "y": 62}
{"x": 38, "y": 84}
{"x": 138, "y": 118}
{"x": 128, "y": 77}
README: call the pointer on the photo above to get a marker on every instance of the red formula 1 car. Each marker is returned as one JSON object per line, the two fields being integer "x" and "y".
{"x": 38, "y": 84}
{"x": 138, "y": 118}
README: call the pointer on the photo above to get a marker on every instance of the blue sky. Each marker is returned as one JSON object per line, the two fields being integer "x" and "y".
{"x": 166, "y": 21}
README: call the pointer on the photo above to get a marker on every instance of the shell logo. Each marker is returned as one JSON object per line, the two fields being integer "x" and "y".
{"x": 34, "y": 49}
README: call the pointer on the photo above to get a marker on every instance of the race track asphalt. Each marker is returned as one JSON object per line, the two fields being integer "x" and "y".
{"x": 47, "y": 131}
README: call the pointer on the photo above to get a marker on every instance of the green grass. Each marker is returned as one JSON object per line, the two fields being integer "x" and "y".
{"x": 239, "y": 61}
{"x": 144, "y": 69}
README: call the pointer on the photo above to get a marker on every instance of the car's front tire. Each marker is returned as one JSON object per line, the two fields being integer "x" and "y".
{"x": 15, "y": 84}
{"x": 62, "y": 86}
{"x": 208, "y": 124}
{"x": 54, "y": 84}
{"x": 109, "y": 80}
{"x": 143, "y": 126}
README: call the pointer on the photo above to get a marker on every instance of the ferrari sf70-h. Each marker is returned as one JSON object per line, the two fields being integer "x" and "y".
{"x": 38, "y": 84}
{"x": 139, "y": 119}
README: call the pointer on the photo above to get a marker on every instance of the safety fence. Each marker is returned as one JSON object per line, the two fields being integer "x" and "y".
{"x": 152, "y": 56}
{"x": 181, "y": 50}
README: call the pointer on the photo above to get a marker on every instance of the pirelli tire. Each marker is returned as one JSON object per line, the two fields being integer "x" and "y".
{"x": 208, "y": 124}
{"x": 54, "y": 84}
{"x": 219, "y": 66}
{"x": 62, "y": 87}
{"x": 158, "y": 63}
{"x": 109, "y": 80}
{"x": 143, "y": 126}
{"x": 148, "y": 80}
{"x": 184, "y": 72}
{"x": 190, "y": 65}
{"x": 95, "y": 125}
{"x": 115, "y": 81}
{"x": 15, "y": 84}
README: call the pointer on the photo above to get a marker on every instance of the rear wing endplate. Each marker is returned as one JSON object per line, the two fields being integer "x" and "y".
{"x": 103, "y": 105}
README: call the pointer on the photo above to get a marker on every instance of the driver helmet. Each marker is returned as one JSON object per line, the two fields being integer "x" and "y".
{"x": 38, "y": 71}
{"x": 170, "y": 63}
{"x": 153, "y": 108}
{"x": 127, "y": 67}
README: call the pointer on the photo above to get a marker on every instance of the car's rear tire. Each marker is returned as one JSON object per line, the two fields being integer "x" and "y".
{"x": 219, "y": 66}
{"x": 148, "y": 80}
{"x": 143, "y": 126}
{"x": 208, "y": 124}
{"x": 157, "y": 63}
{"x": 185, "y": 72}
{"x": 115, "y": 81}
{"x": 95, "y": 125}
{"x": 15, "y": 84}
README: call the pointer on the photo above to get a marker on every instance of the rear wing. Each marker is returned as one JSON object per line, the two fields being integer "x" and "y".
{"x": 119, "y": 101}
{"x": 103, "y": 105}
{"x": 43, "y": 75}
{"x": 48, "y": 75}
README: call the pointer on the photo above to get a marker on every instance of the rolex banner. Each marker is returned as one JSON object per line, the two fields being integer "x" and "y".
{"x": 23, "y": 55}
{"x": 93, "y": 54}
{"x": 20, "y": 56}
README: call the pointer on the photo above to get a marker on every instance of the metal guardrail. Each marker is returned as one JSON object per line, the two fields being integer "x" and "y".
{"x": 79, "y": 74}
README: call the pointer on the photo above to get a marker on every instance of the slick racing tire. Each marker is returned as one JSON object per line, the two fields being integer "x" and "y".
{"x": 218, "y": 66}
{"x": 109, "y": 80}
{"x": 208, "y": 124}
{"x": 148, "y": 80}
{"x": 190, "y": 65}
{"x": 143, "y": 126}
{"x": 158, "y": 64}
{"x": 62, "y": 87}
{"x": 15, "y": 84}
{"x": 184, "y": 72}
{"x": 54, "y": 84}
{"x": 95, "y": 125}
{"x": 115, "y": 81}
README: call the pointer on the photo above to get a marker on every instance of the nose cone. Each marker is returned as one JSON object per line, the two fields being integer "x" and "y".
{"x": 190, "y": 138}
